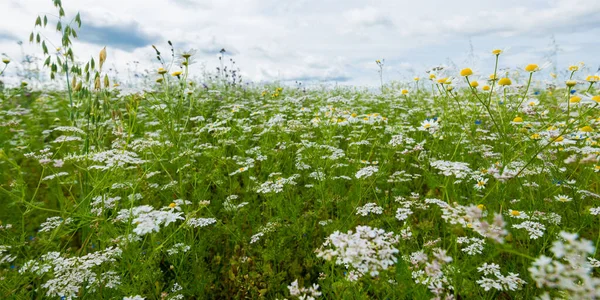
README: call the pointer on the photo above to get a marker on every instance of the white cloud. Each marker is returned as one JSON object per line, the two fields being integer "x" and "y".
{"x": 321, "y": 40}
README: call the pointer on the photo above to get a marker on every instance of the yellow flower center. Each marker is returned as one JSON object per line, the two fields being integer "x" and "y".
{"x": 518, "y": 120}
{"x": 531, "y": 68}
{"x": 586, "y": 128}
{"x": 515, "y": 213}
{"x": 466, "y": 72}
{"x": 575, "y": 99}
{"x": 504, "y": 81}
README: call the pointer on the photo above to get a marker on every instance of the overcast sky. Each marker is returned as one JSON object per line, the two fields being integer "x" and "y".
{"x": 322, "y": 40}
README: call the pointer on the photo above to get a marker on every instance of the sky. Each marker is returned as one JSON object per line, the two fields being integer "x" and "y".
{"x": 320, "y": 41}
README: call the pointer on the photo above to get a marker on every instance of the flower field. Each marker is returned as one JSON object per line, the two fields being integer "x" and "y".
{"x": 456, "y": 185}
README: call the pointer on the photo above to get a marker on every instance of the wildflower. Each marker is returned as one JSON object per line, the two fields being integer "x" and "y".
{"x": 430, "y": 125}
{"x": 504, "y": 81}
{"x": 474, "y": 84}
{"x": 431, "y": 76}
{"x": 493, "y": 77}
{"x": 486, "y": 88}
{"x": 575, "y": 99}
{"x": 304, "y": 293}
{"x": 532, "y": 68}
{"x": 466, "y": 72}
{"x": 592, "y": 78}
{"x": 369, "y": 208}
{"x": 496, "y": 51}
{"x": 6, "y": 61}
{"x": 481, "y": 182}
{"x": 517, "y": 120}
{"x": 162, "y": 71}
{"x": 515, "y": 213}
{"x": 368, "y": 250}
{"x": 404, "y": 92}
{"x": 500, "y": 282}
{"x": 596, "y": 98}
{"x": 416, "y": 79}
{"x": 444, "y": 80}
{"x": 586, "y": 128}
{"x": 562, "y": 198}
{"x": 570, "y": 83}
{"x": 568, "y": 270}
{"x": 573, "y": 68}
{"x": 176, "y": 73}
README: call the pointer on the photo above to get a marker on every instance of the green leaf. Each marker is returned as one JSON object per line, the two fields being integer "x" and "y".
{"x": 45, "y": 21}
{"x": 74, "y": 33}
{"x": 61, "y": 12}
{"x": 37, "y": 38}
{"x": 44, "y": 48}
{"x": 31, "y": 38}
{"x": 92, "y": 64}
{"x": 87, "y": 67}
{"x": 78, "y": 20}
{"x": 48, "y": 61}
{"x": 58, "y": 26}
{"x": 38, "y": 21}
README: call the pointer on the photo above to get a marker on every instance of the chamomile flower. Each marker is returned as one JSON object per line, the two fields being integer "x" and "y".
{"x": 563, "y": 198}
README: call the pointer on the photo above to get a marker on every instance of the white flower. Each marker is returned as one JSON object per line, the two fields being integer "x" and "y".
{"x": 369, "y": 208}
{"x": 562, "y": 198}
{"x": 366, "y": 172}
{"x": 368, "y": 250}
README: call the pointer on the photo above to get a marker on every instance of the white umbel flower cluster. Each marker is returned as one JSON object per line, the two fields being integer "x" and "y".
{"x": 147, "y": 219}
{"x": 569, "y": 270}
{"x": 366, "y": 172}
{"x": 302, "y": 292}
{"x": 71, "y": 273}
{"x": 368, "y": 250}
{"x": 369, "y": 208}
{"x": 511, "y": 282}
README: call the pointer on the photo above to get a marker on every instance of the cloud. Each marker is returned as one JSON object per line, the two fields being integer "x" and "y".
{"x": 127, "y": 36}
{"x": 5, "y": 36}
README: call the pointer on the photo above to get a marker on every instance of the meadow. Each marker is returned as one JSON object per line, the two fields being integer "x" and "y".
{"x": 456, "y": 185}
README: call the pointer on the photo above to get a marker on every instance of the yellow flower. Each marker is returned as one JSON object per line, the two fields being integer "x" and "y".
{"x": 474, "y": 84}
{"x": 535, "y": 136}
{"x": 481, "y": 206}
{"x": 592, "y": 78}
{"x": 466, "y": 72}
{"x": 449, "y": 88}
{"x": 172, "y": 205}
{"x": 573, "y": 68}
{"x": 404, "y": 92}
{"x": 532, "y": 68}
{"x": 515, "y": 213}
{"x": 571, "y": 83}
{"x": 176, "y": 73}
{"x": 161, "y": 71}
{"x": 559, "y": 139}
{"x": 493, "y": 77}
{"x": 504, "y": 81}
{"x": 6, "y": 60}
{"x": 416, "y": 78}
{"x": 431, "y": 76}
{"x": 518, "y": 120}
{"x": 443, "y": 80}
{"x": 575, "y": 99}
{"x": 496, "y": 51}
{"x": 486, "y": 87}
{"x": 586, "y": 128}
{"x": 553, "y": 75}
{"x": 596, "y": 98}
